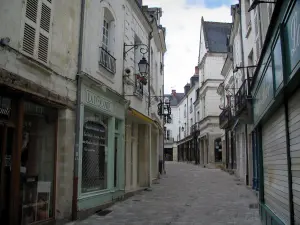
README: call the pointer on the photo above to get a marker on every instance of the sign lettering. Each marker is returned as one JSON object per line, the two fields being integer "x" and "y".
{"x": 98, "y": 101}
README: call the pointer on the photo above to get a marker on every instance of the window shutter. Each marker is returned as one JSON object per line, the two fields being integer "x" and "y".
{"x": 44, "y": 31}
{"x": 37, "y": 28}
{"x": 30, "y": 26}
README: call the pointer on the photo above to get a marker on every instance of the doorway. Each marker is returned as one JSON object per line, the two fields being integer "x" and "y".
{"x": 6, "y": 149}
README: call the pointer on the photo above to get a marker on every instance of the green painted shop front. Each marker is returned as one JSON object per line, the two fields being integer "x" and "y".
{"x": 276, "y": 109}
{"x": 101, "y": 151}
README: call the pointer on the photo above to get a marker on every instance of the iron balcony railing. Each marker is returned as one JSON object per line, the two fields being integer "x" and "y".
{"x": 169, "y": 140}
{"x": 107, "y": 60}
{"x": 195, "y": 127}
{"x": 225, "y": 118}
{"x": 242, "y": 95}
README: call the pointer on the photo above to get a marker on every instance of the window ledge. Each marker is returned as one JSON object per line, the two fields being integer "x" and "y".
{"x": 35, "y": 63}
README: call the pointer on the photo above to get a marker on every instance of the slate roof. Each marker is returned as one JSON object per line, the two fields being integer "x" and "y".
{"x": 174, "y": 100}
{"x": 215, "y": 35}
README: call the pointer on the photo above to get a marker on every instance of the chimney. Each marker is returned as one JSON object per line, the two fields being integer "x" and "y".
{"x": 187, "y": 87}
{"x": 196, "y": 70}
{"x": 173, "y": 92}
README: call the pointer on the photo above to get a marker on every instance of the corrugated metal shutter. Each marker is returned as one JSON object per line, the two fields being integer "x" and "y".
{"x": 275, "y": 165}
{"x": 294, "y": 129}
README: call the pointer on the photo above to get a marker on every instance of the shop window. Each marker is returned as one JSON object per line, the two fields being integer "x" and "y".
{"x": 38, "y": 163}
{"x": 278, "y": 67}
{"x": 94, "y": 152}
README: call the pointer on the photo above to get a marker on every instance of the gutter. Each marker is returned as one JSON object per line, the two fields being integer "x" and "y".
{"x": 77, "y": 122}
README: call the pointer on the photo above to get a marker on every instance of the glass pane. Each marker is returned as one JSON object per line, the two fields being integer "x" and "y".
{"x": 116, "y": 161}
{"x": 278, "y": 64}
{"x": 94, "y": 152}
{"x": 37, "y": 163}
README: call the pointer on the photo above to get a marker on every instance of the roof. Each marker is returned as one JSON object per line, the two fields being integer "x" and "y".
{"x": 215, "y": 34}
{"x": 174, "y": 100}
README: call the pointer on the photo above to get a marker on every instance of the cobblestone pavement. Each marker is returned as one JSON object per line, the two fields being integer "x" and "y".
{"x": 186, "y": 195}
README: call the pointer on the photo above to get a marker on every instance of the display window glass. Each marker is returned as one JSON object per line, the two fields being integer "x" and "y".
{"x": 94, "y": 152}
{"x": 38, "y": 163}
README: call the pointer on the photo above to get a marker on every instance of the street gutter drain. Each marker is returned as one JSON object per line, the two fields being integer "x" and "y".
{"x": 103, "y": 212}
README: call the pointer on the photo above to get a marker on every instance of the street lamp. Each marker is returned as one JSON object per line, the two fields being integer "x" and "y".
{"x": 143, "y": 66}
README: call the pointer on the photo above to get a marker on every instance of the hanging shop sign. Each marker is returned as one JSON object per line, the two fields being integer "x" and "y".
{"x": 292, "y": 35}
{"x": 97, "y": 101}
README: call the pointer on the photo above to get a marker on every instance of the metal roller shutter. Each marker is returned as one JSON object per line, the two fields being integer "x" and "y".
{"x": 275, "y": 165}
{"x": 294, "y": 129}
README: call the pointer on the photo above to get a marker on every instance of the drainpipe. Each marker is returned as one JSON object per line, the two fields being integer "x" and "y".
{"x": 77, "y": 123}
{"x": 243, "y": 71}
{"x": 149, "y": 80}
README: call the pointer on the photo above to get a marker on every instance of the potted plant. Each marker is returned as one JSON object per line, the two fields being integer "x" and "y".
{"x": 143, "y": 80}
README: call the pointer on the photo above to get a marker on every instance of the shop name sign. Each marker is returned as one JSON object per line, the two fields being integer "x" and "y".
{"x": 97, "y": 101}
{"x": 293, "y": 36}
{"x": 264, "y": 94}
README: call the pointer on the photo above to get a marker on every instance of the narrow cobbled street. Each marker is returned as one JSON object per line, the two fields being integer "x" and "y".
{"x": 186, "y": 195}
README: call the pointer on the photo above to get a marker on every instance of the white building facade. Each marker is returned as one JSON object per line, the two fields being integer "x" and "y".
{"x": 211, "y": 60}
{"x": 75, "y": 114}
{"x": 38, "y": 67}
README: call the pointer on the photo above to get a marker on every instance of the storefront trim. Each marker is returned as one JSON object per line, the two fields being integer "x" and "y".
{"x": 268, "y": 217}
{"x": 110, "y": 105}
{"x": 139, "y": 115}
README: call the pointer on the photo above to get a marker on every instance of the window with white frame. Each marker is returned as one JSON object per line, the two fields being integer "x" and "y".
{"x": 184, "y": 113}
{"x": 107, "y": 59}
{"x": 37, "y": 27}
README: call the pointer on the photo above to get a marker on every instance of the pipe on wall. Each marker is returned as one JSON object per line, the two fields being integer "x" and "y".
{"x": 77, "y": 122}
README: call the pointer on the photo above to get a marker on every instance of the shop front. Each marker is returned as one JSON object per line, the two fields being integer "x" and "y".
{"x": 101, "y": 152}
{"x": 276, "y": 107}
{"x": 139, "y": 153}
{"x": 28, "y": 157}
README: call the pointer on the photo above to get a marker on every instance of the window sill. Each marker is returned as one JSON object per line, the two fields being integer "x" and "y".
{"x": 31, "y": 61}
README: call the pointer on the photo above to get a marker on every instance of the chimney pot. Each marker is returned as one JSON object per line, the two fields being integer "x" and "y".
{"x": 196, "y": 70}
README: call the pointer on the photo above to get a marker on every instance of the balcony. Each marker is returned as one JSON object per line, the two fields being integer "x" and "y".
{"x": 225, "y": 118}
{"x": 107, "y": 61}
{"x": 195, "y": 127}
{"x": 243, "y": 102}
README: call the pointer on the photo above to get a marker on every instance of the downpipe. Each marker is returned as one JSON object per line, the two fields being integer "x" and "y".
{"x": 77, "y": 122}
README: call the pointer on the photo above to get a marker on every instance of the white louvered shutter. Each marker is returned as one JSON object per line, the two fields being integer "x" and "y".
{"x": 37, "y": 29}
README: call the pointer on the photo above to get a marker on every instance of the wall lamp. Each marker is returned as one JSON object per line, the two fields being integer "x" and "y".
{"x": 257, "y": 2}
{"x": 143, "y": 64}
{"x": 242, "y": 67}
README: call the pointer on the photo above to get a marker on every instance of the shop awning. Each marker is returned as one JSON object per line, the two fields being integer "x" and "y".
{"x": 139, "y": 115}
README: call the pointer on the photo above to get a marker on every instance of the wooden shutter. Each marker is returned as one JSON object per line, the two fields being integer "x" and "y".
{"x": 294, "y": 130}
{"x": 275, "y": 165}
{"x": 37, "y": 29}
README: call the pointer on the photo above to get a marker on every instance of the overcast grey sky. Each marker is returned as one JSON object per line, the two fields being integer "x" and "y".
{"x": 182, "y": 19}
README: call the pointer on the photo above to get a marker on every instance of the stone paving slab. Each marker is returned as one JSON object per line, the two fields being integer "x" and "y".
{"x": 186, "y": 195}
